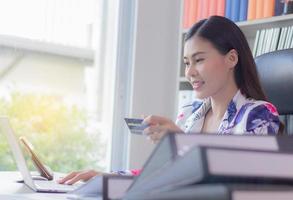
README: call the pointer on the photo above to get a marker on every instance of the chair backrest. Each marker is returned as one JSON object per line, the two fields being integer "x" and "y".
{"x": 275, "y": 71}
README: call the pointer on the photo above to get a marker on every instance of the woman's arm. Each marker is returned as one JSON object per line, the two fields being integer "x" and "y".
{"x": 263, "y": 119}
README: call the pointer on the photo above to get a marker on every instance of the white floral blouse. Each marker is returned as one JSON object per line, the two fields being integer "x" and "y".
{"x": 243, "y": 115}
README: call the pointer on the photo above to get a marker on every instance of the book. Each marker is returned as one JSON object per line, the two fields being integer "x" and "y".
{"x": 265, "y": 41}
{"x": 281, "y": 42}
{"x": 268, "y": 39}
{"x": 269, "y": 6}
{"x": 288, "y": 7}
{"x": 259, "y": 13}
{"x": 200, "y": 10}
{"x": 279, "y": 8}
{"x": 190, "y": 13}
{"x": 173, "y": 145}
{"x": 203, "y": 165}
{"x": 251, "y": 11}
{"x": 256, "y": 40}
{"x": 212, "y": 8}
{"x": 260, "y": 42}
{"x": 193, "y": 12}
{"x": 235, "y": 8}
{"x": 291, "y": 44}
{"x": 274, "y": 43}
{"x": 205, "y": 9}
{"x": 288, "y": 38}
{"x": 221, "y": 7}
{"x": 228, "y": 9}
{"x": 222, "y": 192}
{"x": 243, "y": 10}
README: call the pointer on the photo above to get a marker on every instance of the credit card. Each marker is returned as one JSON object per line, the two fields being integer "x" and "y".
{"x": 135, "y": 125}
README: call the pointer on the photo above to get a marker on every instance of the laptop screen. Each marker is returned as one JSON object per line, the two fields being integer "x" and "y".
{"x": 18, "y": 155}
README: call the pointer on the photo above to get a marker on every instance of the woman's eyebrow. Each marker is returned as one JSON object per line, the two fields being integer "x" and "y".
{"x": 195, "y": 54}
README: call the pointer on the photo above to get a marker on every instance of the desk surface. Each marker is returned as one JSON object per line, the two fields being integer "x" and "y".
{"x": 11, "y": 190}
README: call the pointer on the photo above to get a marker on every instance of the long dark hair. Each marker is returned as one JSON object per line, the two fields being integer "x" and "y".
{"x": 225, "y": 35}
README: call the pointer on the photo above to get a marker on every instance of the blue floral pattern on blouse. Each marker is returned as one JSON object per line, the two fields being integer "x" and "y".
{"x": 243, "y": 115}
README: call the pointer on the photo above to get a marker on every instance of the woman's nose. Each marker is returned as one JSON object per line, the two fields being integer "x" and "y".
{"x": 191, "y": 71}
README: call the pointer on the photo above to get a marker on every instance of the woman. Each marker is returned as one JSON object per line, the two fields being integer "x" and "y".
{"x": 221, "y": 69}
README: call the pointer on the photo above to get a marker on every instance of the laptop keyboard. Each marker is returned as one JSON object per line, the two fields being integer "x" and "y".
{"x": 54, "y": 185}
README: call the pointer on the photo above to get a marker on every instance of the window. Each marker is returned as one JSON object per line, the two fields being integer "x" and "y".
{"x": 53, "y": 79}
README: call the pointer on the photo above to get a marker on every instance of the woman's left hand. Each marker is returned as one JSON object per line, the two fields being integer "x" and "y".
{"x": 158, "y": 127}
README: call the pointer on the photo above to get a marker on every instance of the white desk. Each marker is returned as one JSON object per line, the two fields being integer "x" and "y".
{"x": 11, "y": 190}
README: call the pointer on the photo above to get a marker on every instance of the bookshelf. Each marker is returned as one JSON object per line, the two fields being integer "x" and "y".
{"x": 249, "y": 29}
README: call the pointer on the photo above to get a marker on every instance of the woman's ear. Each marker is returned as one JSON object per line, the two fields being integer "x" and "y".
{"x": 232, "y": 58}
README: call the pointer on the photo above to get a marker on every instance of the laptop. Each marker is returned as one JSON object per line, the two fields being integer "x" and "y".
{"x": 36, "y": 185}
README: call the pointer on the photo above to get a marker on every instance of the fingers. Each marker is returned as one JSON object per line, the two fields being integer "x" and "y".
{"x": 68, "y": 177}
{"x": 151, "y": 129}
{"x": 158, "y": 127}
{"x": 153, "y": 120}
{"x": 77, "y": 176}
{"x": 155, "y": 137}
{"x": 155, "y": 133}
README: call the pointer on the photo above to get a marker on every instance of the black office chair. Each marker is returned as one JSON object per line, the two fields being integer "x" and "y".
{"x": 276, "y": 76}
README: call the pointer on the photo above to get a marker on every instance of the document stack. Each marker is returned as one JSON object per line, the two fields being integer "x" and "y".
{"x": 226, "y": 167}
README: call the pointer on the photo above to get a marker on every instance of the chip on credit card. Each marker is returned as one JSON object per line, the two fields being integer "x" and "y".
{"x": 135, "y": 125}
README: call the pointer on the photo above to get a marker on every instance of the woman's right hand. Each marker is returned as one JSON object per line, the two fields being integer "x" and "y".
{"x": 74, "y": 177}
{"x": 158, "y": 126}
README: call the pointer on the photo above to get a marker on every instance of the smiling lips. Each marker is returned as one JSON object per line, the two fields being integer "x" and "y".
{"x": 197, "y": 84}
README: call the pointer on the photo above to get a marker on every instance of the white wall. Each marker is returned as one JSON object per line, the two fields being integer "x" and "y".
{"x": 156, "y": 62}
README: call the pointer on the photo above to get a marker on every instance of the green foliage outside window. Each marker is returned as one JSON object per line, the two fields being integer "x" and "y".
{"x": 57, "y": 132}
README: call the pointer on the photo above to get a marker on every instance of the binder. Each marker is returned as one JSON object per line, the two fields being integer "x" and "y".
{"x": 205, "y": 9}
{"x": 255, "y": 46}
{"x": 228, "y": 9}
{"x": 193, "y": 12}
{"x": 222, "y": 192}
{"x": 108, "y": 186}
{"x": 259, "y": 9}
{"x": 279, "y": 8}
{"x": 177, "y": 144}
{"x": 202, "y": 165}
{"x": 115, "y": 186}
{"x": 212, "y": 8}
{"x": 221, "y": 7}
{"x": 251, "y": 11}
{"x": 243, "y": 10}
{"x": 235, "y": 8}
{"x": 269, "y": 7}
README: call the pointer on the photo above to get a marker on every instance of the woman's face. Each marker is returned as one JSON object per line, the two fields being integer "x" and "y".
{"x": 206, "y": 69}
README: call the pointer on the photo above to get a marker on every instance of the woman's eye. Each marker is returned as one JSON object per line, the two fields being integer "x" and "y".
{"x": 186, "y": 64}
{"x": 199, "y": 60}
